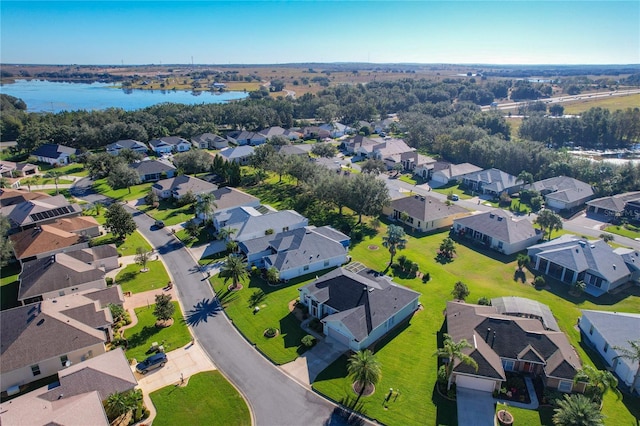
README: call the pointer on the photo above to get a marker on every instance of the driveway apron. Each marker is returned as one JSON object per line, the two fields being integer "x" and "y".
{"x": 475, "y": 408}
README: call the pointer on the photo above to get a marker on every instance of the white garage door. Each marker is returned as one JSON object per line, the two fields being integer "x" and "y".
{"x": 338, "y": 336}
{"x": 474, "y": 383}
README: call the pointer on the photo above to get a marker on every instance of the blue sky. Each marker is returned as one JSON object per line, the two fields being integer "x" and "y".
{"x": 244, "y": 32}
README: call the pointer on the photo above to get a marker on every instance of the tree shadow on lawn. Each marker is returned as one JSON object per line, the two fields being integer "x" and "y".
{"x": 387, "y": 338}
{"x": 227, "y": 296}
{"x": 446, "y": 410}
{"x": 127, "y": 276}
{"x": 201, "y": 312}
{"x": 337, "y": 370}
{"x": 291, "y": 332}
{"x": 519, "y": 275}
{"x": 142, "y": 336}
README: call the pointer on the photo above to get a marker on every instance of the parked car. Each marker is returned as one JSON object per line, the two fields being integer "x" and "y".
{"x": 151, "y": 363}
{"x": 159, "y": 224}
{"x": 455, "y": 197}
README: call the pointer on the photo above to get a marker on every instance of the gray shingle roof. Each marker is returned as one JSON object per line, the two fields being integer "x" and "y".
{"x": 615, "y": 203}
{"x": 617, "y": 328}
{"x": 426, "y": 208}
{"x": 274, "y": 220}
{"x": 499, "y": 225}
{"x": 49, "y": 150}
{"x": 363, "y": 302}
{"x": 563, "y": 188}
{"x": 127, "y": 144}
{"x": 237, "y": 152}
{"x": 167, "y": 140}
{"x": 492, "y": 179}
{"x": 40, "y": 210}
{"x": 180, "y": 185}
{"x": 208, "y": 138}
{"x": 147, "y": 167}
{"x": 227, "y": 198}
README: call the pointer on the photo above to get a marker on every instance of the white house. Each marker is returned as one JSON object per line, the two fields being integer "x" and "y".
{"x": 134, "y": 145}
{"x": 562, "y": 192}
{"x": 443, "y": 173}
{"x": 209, "y": 141}
{"x": 356, "y": 310}
{"x": 54, "y": 153}
{"x": 607, "y": 331}
{"x": 169, "y": 144}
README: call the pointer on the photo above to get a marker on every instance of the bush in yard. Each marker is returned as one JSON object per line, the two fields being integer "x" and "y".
{"x": 426, "y": 277}
{"x": 539, "y": 282}
{"x": 442, "y": 375}
{"x": 109, "y": 280}
{"x": 315, "y": 325}
{"x": 164, "y": 309}
{"x": 308, "y": 341}
{"x": 270, "y": 332}
{"x": 414, "y": 268}
{"x": 402, "y": 259}
{"x": 484, "y": 301}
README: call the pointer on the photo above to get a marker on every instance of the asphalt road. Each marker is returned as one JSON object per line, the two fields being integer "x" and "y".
{"x": 274, "y": 398}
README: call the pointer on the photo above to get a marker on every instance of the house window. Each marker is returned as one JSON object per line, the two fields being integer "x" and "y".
{"x": 285, "y": 229}
{"x": 508, "y": 365}
{"x": 591, "y": 329}
{"x": 306, "y": 267}
{"x": 390, "y": 322}
{"x": 61, "y": 293}
{"x": 606, "y": 347}
{"x": 565, "y": 386}
{"x": 500, "y": 244}
{"x": 326, "y": 263}
{"x": 35, "y": 370}
{"x": 63, "y": 360}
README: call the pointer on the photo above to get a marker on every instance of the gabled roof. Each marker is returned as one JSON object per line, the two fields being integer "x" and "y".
{"x": 363, "y": 301}
{"x": 579, "y": 255}
{"x": 180, "y": 185}
{"x": 360, "y": 141}
{"x": 207, "y": 138}
{"x": 615, "y": 203}
{"x": 426, "y": 208}
{"x": 49, "y": 150}
{"x": 126, "y": 144}
{"x": 273, "y": 131}
{"x": 513, "y": 338}
{"x": 94, "y": 254}
{"x": 236, "y": 152}
{"x": 391, "y": 147}
{"x": 498, "y": 224}
{"x": 147, "y": 167}
{"x": 167, "y": 141}
{"x": 10, "y": 197}
{"x": 39, "y": 210}
{"x": 493, "y": 179}
{"x": 40, "y": 331}
{"x": 107, "y": 374}
{"x": 453, "y": 171}
{"x": 294, "y": 149}
{"x": 617, "y": 328}
{"x": 53, "y": 273}
{"x": 227, "y": 198}
{"x": 563, "y": 188}
{"x": 272, "y": 220}
{"x": 42, "y": 239}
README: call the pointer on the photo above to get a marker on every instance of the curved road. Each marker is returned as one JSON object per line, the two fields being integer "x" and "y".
{"x": 274, "y": 398}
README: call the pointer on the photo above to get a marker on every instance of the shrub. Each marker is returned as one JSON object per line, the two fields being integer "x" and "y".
{"x": 109, "y": 280}
{"x": 442, "y": 375}
{"x": 270, "y": 332}
{"x": 426, "y": 277}
{"x": 315, "y": 325}
{"x": 484, "y": 301}
{"x": 402, "y": 260}
{"x": 539, "y": 282}
{"x": 308, "y": 341}
{"x": 551, "y": 396}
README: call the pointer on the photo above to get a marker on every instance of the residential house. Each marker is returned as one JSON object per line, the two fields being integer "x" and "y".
{"x": 356, "y": 310}
{"x": 424, "y": 213}
{"x": 501, "y": 343}
{"x": 612, "y": 206}
{"x": 420, "y": 165}
{"x": 169, "y": 144}
{"x": 39, "y": 211}
{"x": 360, "y": 145}
{"x": 209, "y": 141}
{"x": 133, "y": 145}
{"x": 58, "y": 236}
{"x": 179, "y": 186}
{"x": 382, "y": 126}
{"x": 444, "y": 173}
{"x": 57, "y": 275}
{"x": 315, "y": 132}
{"x": 153, "y": 170}
{"x": 570, "y": 259}
{"x": 10, "y": 170}
{"x": 297, "y": 252}
{"x": 605, "y": 332}
{"x": 335, "y": 129}
{"x": 242, "y": 137}
{"x": 390, "y": 151}
{"x": 297, "y": 150}
{"x": 40, "y": 339}
{"x": 562, "y": 192}
{"x": 250, "y": 222}
{"x": 54, "y": 153}
{"x": 279, "y": 131}
{"x": 496, "y": 229}
{"x": 632, "y": 210}
{"x": 11, "y": 197}
{"x": 239, "y": 154}
{"x": 526, "y": 308}
{"x": 492, "y": 182}
{"x": 72, "y": 400}
{"x": 228, "y": 198}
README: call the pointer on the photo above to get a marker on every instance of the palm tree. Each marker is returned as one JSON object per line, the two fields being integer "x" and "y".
{"x": 29, "y": 181}
{"x": 577, "y": 410}
{"x": 273, "y": 275}
{"x": 548, "y": 220}
{"x": 121, "y": 403}
{"x": 394, "y": 240}
{"x": 598, "y": 382}
{"x": 55, "y": 175}
{"x": 632, "y": 355}
{"x": 522, "y": 259}
{"x": 447, "y": 248}
{"x": 525, "y": 177}
{"x": 454, "y": 351}
{"x": 206, "y": 205}
{"x": 365, "y": 370}
{"x": 4, "y": 182}
{"x": 234, "y": 269}
{"x": 225, "y": 233}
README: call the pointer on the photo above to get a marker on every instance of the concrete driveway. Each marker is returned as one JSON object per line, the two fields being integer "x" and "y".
{"x": 475, "y": 408}
{"x": 307, "y": 366}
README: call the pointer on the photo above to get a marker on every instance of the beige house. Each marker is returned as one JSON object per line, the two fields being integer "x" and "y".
{"x": 424, "y": 212}
{"x": 40, "y": 339}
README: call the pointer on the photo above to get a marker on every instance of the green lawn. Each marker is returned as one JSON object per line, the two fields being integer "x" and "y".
{"x": 144, "y": 333}
{"x": 623, "y": 231}
{"x": 9, "y": 286}
{"x": 137, "y": 191}
{"x": 407, "y": 360}
{"x": 131, "y": 279}
{"x": 208, "y": 399}
{"x": 170, "y": 214}
{"x": 455, "y": 189}
{"x": 274, "y": 312}
{"x": 41, "y": 180}
{"x": 203, "y": 237}
{"x": 127, "y": 247}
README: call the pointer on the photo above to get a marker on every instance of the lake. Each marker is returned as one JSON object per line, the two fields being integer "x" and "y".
{"x": 47, "y": 96}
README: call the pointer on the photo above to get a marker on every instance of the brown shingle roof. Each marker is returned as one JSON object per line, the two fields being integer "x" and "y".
{"x": 9, "y": 197}
{"x": 42, "y": 239}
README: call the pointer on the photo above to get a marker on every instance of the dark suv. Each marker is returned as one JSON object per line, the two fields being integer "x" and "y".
{"x": 151, "y": 363}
